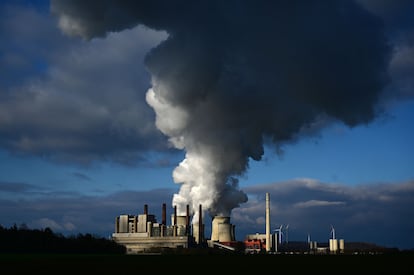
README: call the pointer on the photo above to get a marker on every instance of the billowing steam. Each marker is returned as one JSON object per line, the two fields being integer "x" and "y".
{"x": 234, "y": 74}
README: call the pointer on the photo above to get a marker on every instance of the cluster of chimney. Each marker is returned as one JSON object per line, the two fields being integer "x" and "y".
{"x": 222, "y": 229}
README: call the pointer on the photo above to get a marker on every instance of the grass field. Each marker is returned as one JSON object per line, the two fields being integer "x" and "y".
{"x": 400, "y": 263}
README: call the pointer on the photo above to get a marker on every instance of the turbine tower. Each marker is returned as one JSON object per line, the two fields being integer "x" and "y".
{"x": 333, "y": 232}
{"x": 287, "y": 233}
{"x": 279, "y": 234}
{"x": 267, "y": 222}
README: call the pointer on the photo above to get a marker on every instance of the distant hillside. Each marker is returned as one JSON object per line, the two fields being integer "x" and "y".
{"x": 24, "y": 240}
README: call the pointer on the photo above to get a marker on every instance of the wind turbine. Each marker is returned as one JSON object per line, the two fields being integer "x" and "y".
{"x": 287, "y": 233}
{"x": 333, "y": 232}
{"x": 279, "y": 230}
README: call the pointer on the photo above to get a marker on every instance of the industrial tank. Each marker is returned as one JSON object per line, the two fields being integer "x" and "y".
{"x": 341, "y": 245}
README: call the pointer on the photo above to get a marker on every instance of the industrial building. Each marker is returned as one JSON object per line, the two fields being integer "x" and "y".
{"x": 143, "y": 233}
{"x": 335, "y": 246}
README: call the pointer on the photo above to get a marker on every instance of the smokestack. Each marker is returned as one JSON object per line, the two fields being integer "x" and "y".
{"x": 187, "y": 221}
{"x": 267, "y": 222}
{"x": 145, "y": 209}
{"x": 200, "y": 225}
{"x": 117, "y": 225}
{"x": 175, "y": 221}
{"x": 164, "y": 220}
{"x": 164, "y": 214}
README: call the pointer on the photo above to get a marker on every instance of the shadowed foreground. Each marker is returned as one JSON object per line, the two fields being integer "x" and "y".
{"x": 399, "y": 263}
{"x": 25, "y": 251}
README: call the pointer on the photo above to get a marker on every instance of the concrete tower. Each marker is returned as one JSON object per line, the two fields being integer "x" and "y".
{"x": 268, "y": 242}
{"x": 222, "y": 230}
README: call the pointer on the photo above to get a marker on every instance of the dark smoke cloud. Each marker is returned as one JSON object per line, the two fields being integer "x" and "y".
{"x": 397, "y": 15}
{"x": 234, "y": 74}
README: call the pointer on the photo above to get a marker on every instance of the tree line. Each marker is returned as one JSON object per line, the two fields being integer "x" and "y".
{"x": 21, "y": 239}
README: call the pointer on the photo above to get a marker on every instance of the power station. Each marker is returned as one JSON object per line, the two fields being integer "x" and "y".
{"x": 143, "y": 233}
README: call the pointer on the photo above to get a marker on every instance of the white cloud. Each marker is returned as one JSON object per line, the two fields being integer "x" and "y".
{"x": 313, "y": 203}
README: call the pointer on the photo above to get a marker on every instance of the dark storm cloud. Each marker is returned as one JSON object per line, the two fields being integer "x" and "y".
{"x": 81, "y": 214}
{"x": 359, "y": 213}
{"x": 28, "y": 40}
{"x": 66, "y": 100}
{"x": 232, "y": 74}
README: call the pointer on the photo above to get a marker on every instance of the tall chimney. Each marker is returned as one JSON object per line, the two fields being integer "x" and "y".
{"x": 187, "y": 221}
{"x": 267, "y": 222}
{"x": 117, "y": 224}
{"x": 164, "y": 214}
{"x": 164, "y": 220}
{"x": 145, "y": 209}
{"x": 175, "y": 221}
{"x": 200, "y": 225}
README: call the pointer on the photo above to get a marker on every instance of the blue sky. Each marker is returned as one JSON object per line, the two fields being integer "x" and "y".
{"x": 80, "y": 144}
{"x": 365, "y": 154}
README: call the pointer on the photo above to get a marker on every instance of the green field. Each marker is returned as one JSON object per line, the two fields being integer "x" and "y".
{"x": 399, "y": 263}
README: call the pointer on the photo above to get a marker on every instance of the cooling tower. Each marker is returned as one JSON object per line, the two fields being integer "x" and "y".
{"x": 222, "y": 230}
{"x": 341, "y": 245}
